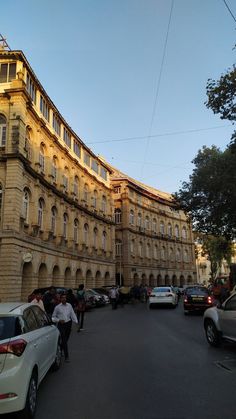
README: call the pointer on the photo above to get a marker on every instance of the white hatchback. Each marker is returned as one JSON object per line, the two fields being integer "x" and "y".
{"x": 29, "y": 346}
{"x": 163, "y": 296}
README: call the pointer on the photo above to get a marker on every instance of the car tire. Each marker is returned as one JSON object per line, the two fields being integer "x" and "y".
{"x": 212, "y": 334}
{"x": 57, "y": 362}
{"x": 31, "y": 399}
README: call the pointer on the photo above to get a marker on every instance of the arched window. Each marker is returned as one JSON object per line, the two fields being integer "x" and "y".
{"x": 163, "y": 253}
{"x": 186, "y": 258}
{"x": 178, "y": 255}
{"x": 176, "y": 231}
{"x": 147, "y": 223}
{"x": 118, "y": 245}
{"x": 104, "y": 204}
{"x": 42, "y": 157}
{"x": 95, "y": 237}
{"x": 169, "y": 230}
{"x": 184, "y": 232}
{"x": 139, "y": 220}
{"x": 162, "y": 228}
{"x": 76, "y": 230}
{"x": 95, "y": 199}
{"x": 171, "y": 254}
{"x": 3, "y": 130}
{"x": 25, "y": 205}
{"x": 40, "y": 212}
{"x": 140, "y": 249}
{"x": 155, "y": 252}
{"x": 65, "y": 225}
{"x": 53, "y": 219}
{"x": 154, "y": 225}
{"x": 86, "y": 192}
{"x": 117, "y": 215}
{"x": 76, "y": 186}
{"x": 65, "y": 179}
{"x": 104, "y": 240}
{"x": 54, "y": 169}
{"x": 131, "y": 217}
{"x": 86, "y": 234}
{"x": 148, "y": 250}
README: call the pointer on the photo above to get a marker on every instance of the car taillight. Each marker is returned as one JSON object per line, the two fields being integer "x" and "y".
{"x": 15, "y": 347}
{"x": 209, "y": 300}
{"x": 7, "y": 396}
{"x": 185, "y": 299}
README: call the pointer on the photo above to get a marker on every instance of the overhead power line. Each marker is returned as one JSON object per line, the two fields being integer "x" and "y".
{"x": 157, "y": 135}
{"x": 230, "y": 11}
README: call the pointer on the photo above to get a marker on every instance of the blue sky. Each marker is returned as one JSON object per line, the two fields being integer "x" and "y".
{"x": 102, "y": 62}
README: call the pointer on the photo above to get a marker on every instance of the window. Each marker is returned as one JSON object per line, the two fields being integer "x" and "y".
{"x": 40, "y": 212}
{"x": 3, "y": 130}
{"x": 104, "y": 204}
{"x": 162, "y": 228}
{"x": 171, "y": 254}
{"x": 95, "y": 237}
{"x": 154, "y": 225}
{"x": 54, "y": 169}
{"x": 86, "y": 158}
{"x": 77, "y": 148}
{"x": 42, "y": 158}
{"x": 95, "y": 166}
{"x": 56, "y": 123}
{"x": 67, "y": 137}
{"x": 76, "y": 186}
{"x": 139, "y": 221}
{"x": 44, "y": 108}
{"x": 53, "y": 219}
{"x": 184, "y": 233}
{"x": 95, "y": 199}
{"x": 103, "y": 173}
{"x": 30, "y": 320}
{"x": 76, "y": 229}
{"x": 104, "y": 240}
{"x": 86, "y": 192}
{"x": 155, "y": 252}
{"x": 178, "y": 255}
{"x": 140, "y": 249}
{"x": 27, "y": 144}
{"x": 148, "y": 251}
{"x": 163, "y": 253}
{"x": 86, "y": 233}
{"x": 169, "y": 230}
{"x": 131, "y": 217}
{"x": 186, "y": 256}
{"x": 31, "y": 89}
{"x": 132, "y": 246}
{"x": 65, "y": 225}
{"x": 147, "y": 223}
{"x": 117, "y": 215}
{"x": 176, "y": 231}
{"x": 25, "y": 205}
{"x": 118, "y": 247}
{"x": 65, "y": 182}
{"x": 7, "y": 72}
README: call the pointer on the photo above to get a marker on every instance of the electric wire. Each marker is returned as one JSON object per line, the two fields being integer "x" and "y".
{"x": 230, "y": 11}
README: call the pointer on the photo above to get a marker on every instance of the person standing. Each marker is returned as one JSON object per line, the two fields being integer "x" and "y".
{"x": 114, "y": 295}
{"x": 63, "y": 315}
{"x": 81, "y": 306}
{"x": 38, "y": 300}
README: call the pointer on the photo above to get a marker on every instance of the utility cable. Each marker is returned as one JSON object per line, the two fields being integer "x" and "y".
{"x": 229, "y": 10}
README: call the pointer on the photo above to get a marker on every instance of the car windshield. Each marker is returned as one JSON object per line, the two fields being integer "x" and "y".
{"x": 197, "y": 291}
{"x": 9, "y": 327}
{"x": 162, "y": 289}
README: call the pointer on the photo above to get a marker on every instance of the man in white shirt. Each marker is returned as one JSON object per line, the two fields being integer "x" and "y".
{"x": 63, "y": 315}
{"x": 38, "y": 300}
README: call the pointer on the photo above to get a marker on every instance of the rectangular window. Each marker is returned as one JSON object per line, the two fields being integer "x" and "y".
{"x": 44, "y": 108}
{"x": 77, "y": 148}
{"x": 103, "y": 173}
{"x": 95, "y": 166}
{"x": 7, "y": 72}
{"x": 56, "y": 124}
{"x": 3, "y": 132}
{"x": 67, "y": 137}
{"x": 87, "y": 159}
{"x": 31, "y": 89}
{"x": 117, "y": 189}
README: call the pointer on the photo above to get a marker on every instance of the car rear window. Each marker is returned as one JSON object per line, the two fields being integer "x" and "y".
{"x": 163, "y": 289}
{"x": 9, "y": 327}
{"x": 197, "y": 291}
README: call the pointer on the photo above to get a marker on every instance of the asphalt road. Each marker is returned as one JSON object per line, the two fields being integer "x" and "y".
{"x": 135, "y": 363}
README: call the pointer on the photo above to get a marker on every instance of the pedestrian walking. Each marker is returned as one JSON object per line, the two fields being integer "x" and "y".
{"x": 50, "y": 300}
{"x": 114, "y": 295}
{"x": 81, "y": 307}
{"x": 38, "y": 300}
{"x": 63, "y": 315}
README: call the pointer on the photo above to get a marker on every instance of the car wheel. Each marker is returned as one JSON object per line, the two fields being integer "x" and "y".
{"x": 31, "y": 400}
{"x": 57, "y": 362}
{"x": 212, "y": 334}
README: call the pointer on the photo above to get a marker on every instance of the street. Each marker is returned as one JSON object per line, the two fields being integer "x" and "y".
{"x": 136, "y": 363}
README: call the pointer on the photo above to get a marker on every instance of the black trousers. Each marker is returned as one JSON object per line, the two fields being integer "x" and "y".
{"x": 80, "y": 317}
{"x": 65, "y": 329}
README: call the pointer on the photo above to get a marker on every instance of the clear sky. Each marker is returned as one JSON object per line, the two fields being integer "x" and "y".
{"x": 129, "y": 76}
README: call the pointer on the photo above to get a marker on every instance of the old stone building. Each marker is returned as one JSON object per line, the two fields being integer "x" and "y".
{"x": 154, "y": 241}
{"x": 56, "y": 207}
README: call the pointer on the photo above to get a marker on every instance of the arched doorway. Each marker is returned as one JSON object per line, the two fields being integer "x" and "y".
{"x": 174, "y": 280}
{"x": 43, "y": 276}
{"x": 151, "y": 280}
{"x": 56, "y": 280}
{"x": 27, "y": 284}
{"x": 98, "y": 279}
{"x": 181, "y": 280}
{"x": 167, "y": 280}
{"x": 159, "y": 280}
{"x": 68, "y": 279}
{"x": 107, "y": 279}
{"x": 78, "y": 278}
{"x": 119, "y": 279}
{"x": 89, "y": 279}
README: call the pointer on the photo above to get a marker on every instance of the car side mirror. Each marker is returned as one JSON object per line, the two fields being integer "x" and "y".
{"x": 219, "y": 305}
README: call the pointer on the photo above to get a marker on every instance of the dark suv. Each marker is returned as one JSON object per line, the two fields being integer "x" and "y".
{"x": 197, "y": 298}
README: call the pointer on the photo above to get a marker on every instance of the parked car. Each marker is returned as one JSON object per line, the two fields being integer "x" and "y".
{"x": 220, "y": 322}
{"x": 163, "y": 296}
{"x": 29, "y": 347}
{"x": 99, "y": 301}
{"x": 197, "y": 298}
{"x": 103, "y": 293}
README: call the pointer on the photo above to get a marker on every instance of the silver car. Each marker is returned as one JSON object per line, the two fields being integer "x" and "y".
{"x": 220, "y": 322}
{"x": 29, "y": 346}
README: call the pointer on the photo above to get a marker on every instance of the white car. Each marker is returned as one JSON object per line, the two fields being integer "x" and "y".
{"x": 29, "y": 346}
{"x": 163, "y": 296}
{"x": 220, "y": 322}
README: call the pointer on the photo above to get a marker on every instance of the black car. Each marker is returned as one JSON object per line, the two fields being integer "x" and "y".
{"x": 197, "y": 298}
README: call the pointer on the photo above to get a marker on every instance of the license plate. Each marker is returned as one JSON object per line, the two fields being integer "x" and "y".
{"x": 198, "y": 299}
